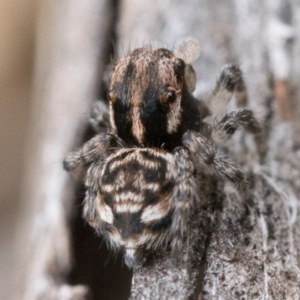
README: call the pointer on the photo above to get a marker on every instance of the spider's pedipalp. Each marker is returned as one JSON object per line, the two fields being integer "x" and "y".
{"x": 190, "y": 78}
{"x": 229, "y": 82}
{"x": 188, "y": 49}
{"x": 204, "y": 152}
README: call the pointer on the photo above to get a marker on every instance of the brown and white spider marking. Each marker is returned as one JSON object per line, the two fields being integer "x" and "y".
{"x": 142, "y": 172}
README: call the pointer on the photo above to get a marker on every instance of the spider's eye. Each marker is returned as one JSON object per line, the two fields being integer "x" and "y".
{"x": 171, "y": 96}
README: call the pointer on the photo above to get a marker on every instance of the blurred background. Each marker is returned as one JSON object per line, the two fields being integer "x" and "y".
{"x": 17, "y": 43}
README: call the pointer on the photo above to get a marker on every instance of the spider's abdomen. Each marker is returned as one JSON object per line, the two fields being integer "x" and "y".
{"x": 139, "y": 199}
{"x": 134, "y": 200}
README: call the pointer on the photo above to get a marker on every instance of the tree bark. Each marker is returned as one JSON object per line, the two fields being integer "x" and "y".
{"x": 251, "y": 249}
{"x": 71, "y": 39}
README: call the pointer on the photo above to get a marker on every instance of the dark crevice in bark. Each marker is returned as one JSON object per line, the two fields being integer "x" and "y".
{"x": 94, "y": 264}
{"x": 199, "y": 281}
{"x": 269, "y": 103}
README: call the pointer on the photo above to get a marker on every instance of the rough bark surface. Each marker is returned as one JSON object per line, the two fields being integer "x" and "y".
{"x": 251, "y": 248}
{"x": 237, "y": 250}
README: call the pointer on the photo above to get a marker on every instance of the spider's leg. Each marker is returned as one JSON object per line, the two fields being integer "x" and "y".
{"x": 185, "y": 198}
{"x": 90, "y": 212}
{"x": 204, "y": 152}
{"x": 230, "y": 81}
{"x": 92, "y": 151}
{"x": 99, "y": 116}
{"x": 223, "y": 129}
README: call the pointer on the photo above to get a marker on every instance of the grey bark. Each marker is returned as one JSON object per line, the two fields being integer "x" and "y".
{"x": 251, "y": 249}
{"x": 237, "y": 250}
{"x": 71, "y": 38}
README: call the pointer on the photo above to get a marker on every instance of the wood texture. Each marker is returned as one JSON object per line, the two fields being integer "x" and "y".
{"x": 251, "y": 249}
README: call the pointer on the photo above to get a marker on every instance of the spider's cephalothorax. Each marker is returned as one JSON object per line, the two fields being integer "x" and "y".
{"x": 150, "y": 105}
{"x": 144, "y": 177}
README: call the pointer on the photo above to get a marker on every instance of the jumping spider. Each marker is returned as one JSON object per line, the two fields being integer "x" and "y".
{"x": 141, "y": 182}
